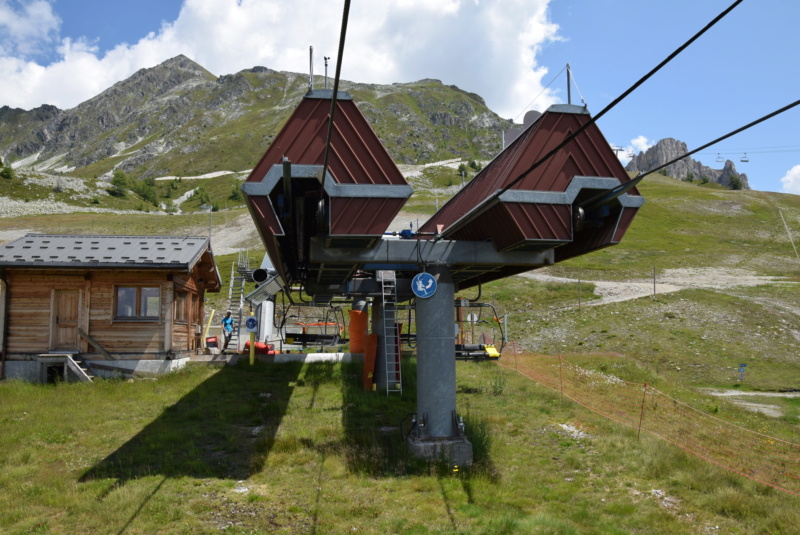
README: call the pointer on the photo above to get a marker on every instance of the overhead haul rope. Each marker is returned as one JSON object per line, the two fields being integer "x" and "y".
{"x": 542, "y": 92}
{"x": 723, "y": 138}
{"x": 616, "y": 101}
{"x": 592, "y": 203}
{"x": 342, "y": 36}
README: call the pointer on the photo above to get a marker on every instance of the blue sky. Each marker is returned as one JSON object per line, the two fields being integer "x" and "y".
{"x": 63, "y": 52}
{"x": 109, "y": 23}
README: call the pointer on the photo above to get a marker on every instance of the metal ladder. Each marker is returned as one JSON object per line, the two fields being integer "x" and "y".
{"x": 240, "y": 271}
{"x": 394, "y": 379}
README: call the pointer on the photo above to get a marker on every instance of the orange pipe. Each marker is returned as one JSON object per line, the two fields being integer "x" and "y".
{"x": 358, "y": 330}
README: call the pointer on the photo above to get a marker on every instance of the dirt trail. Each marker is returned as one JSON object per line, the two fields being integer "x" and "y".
{"x": 670, "y": 280}
{"x": 735, "y": 396}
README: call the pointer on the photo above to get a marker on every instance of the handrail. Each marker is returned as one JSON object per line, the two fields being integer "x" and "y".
{"x": 96, "y": 344}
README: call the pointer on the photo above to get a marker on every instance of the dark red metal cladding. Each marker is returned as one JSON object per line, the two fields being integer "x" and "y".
{"x": 360, "y": 216}
{"x": 356, "y": 155}
{"x": 591, "y": 239}
{"x": 625, "y": 221}
{"x": 363, "y": 191}
{"x": 510, "y": 224}
{"x": 589, "y": 154}
{"x": 268, "y": 227}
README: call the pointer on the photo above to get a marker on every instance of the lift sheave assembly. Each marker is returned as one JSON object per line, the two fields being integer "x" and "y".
{"x": 325, "y": 232}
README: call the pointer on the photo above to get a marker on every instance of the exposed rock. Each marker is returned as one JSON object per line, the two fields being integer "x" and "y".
{"x": 179, "y": 119}
{"x": 668, "y": 149}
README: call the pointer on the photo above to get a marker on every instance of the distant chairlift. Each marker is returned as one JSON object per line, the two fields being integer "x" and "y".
{"x": 720, "y": 158}
{"x": 745, "y": 158}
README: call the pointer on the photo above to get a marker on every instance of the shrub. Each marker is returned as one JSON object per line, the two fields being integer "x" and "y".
{"x": 119, "y": 183}
{"x": 7, "y": 173}
{"x": 201, "y": 195}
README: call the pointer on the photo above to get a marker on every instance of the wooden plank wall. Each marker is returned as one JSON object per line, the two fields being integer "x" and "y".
{"x": 29, "y": 309}
{"x": 30, "y": 305}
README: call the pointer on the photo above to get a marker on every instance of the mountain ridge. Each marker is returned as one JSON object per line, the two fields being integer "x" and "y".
{"x": 688, "y": 169}
{"x": 179, "y": 119}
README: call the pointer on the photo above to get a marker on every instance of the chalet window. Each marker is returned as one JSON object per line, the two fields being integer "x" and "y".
{"x": 138, "y": 302}
{"x": 182, "y": 307}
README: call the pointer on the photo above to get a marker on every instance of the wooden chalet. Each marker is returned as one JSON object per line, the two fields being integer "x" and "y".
{"x": 116, "y": 303}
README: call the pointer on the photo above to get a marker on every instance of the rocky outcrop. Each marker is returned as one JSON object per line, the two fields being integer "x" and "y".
{"x": 179, "y": 119}
{"x": 668, "y": 149}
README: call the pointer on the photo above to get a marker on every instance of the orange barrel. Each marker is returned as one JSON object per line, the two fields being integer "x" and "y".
{"x": 358, "y": 330}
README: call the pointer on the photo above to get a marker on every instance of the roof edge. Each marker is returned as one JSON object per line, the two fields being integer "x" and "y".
{"x": 327, "y": 94}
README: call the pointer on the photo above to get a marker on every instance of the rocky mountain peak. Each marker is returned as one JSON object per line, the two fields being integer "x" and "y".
{"x": 179, "y": 119}
{"x": 668, "y": 149}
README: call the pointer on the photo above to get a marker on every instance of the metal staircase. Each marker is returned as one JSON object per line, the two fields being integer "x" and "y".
{"x": 240, "y": 274}
{"x": 394, "y": 379}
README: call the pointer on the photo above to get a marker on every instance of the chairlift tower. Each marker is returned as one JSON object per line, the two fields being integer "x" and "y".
{"x": 325, "y": 231}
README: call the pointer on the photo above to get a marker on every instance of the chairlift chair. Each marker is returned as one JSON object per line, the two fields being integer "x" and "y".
{"x": 720, "y": 158}
{"x": 745, "y": 158}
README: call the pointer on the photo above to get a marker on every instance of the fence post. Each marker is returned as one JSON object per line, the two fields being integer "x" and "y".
{"x": 516, "y": 364}
{"x": 561, "y": 375}
{"x": 641, "y": 415}
{"x": 654, "y": 282}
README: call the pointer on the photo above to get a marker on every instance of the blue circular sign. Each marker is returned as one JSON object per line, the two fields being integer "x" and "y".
{"x": 251, "y": 323}
{"x": 423, "y": 285}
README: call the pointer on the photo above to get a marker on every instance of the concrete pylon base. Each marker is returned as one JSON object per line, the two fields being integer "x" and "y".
{"x": 454, "y": 450}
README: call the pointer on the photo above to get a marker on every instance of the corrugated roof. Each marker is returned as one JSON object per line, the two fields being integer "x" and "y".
{"x": 121, "y": 252}
{"x": 588, "y": 155}
{"x": 357, "y": 156}
{"x": 353, "y": 204}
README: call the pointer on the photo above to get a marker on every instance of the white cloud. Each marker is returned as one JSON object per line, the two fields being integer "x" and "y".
{"x": 27, "y": 29}
{"x": 637, "y": 145}
{"x": 640, "y": 144}
{"x": 791, "y": 181}
{"x": 488, "y": 47}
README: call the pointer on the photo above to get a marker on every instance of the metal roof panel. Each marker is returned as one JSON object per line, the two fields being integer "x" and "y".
{"x": 127, "y": 252}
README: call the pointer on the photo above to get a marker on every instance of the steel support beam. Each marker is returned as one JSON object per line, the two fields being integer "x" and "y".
{"x": 437, "y": 436}
{"x": 418, "y": 252}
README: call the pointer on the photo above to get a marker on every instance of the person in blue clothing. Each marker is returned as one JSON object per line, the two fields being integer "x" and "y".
{"x": 227, "y": 329}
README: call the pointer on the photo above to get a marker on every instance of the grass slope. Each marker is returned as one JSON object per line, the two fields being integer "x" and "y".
{"x": 187, "y": 453}
{"x": 684, "y": 225}
{"x": 301, "y": 449}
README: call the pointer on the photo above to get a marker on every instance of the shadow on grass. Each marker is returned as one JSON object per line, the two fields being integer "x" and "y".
{"x": 224, "y": 428}
{"x": 374, "y": 441}
{"x": 376, "y": 427}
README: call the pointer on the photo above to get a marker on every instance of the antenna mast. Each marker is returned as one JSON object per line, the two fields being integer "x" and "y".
{"x": 569, "y": 84}
{"x": 311, "y": 68}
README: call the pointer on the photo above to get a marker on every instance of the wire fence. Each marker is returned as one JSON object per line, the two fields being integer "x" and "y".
{"x": 759, "y": 457}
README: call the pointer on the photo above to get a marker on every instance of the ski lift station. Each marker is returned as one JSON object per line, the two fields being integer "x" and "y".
{"x": 325, "y": 193}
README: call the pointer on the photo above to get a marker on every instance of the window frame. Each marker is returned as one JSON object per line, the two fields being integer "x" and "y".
{"x": 137, "y": 316}
{"x": 182, "y": 310}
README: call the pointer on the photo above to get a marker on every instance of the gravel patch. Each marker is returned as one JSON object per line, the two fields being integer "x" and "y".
{"x": 13, "y": 208}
